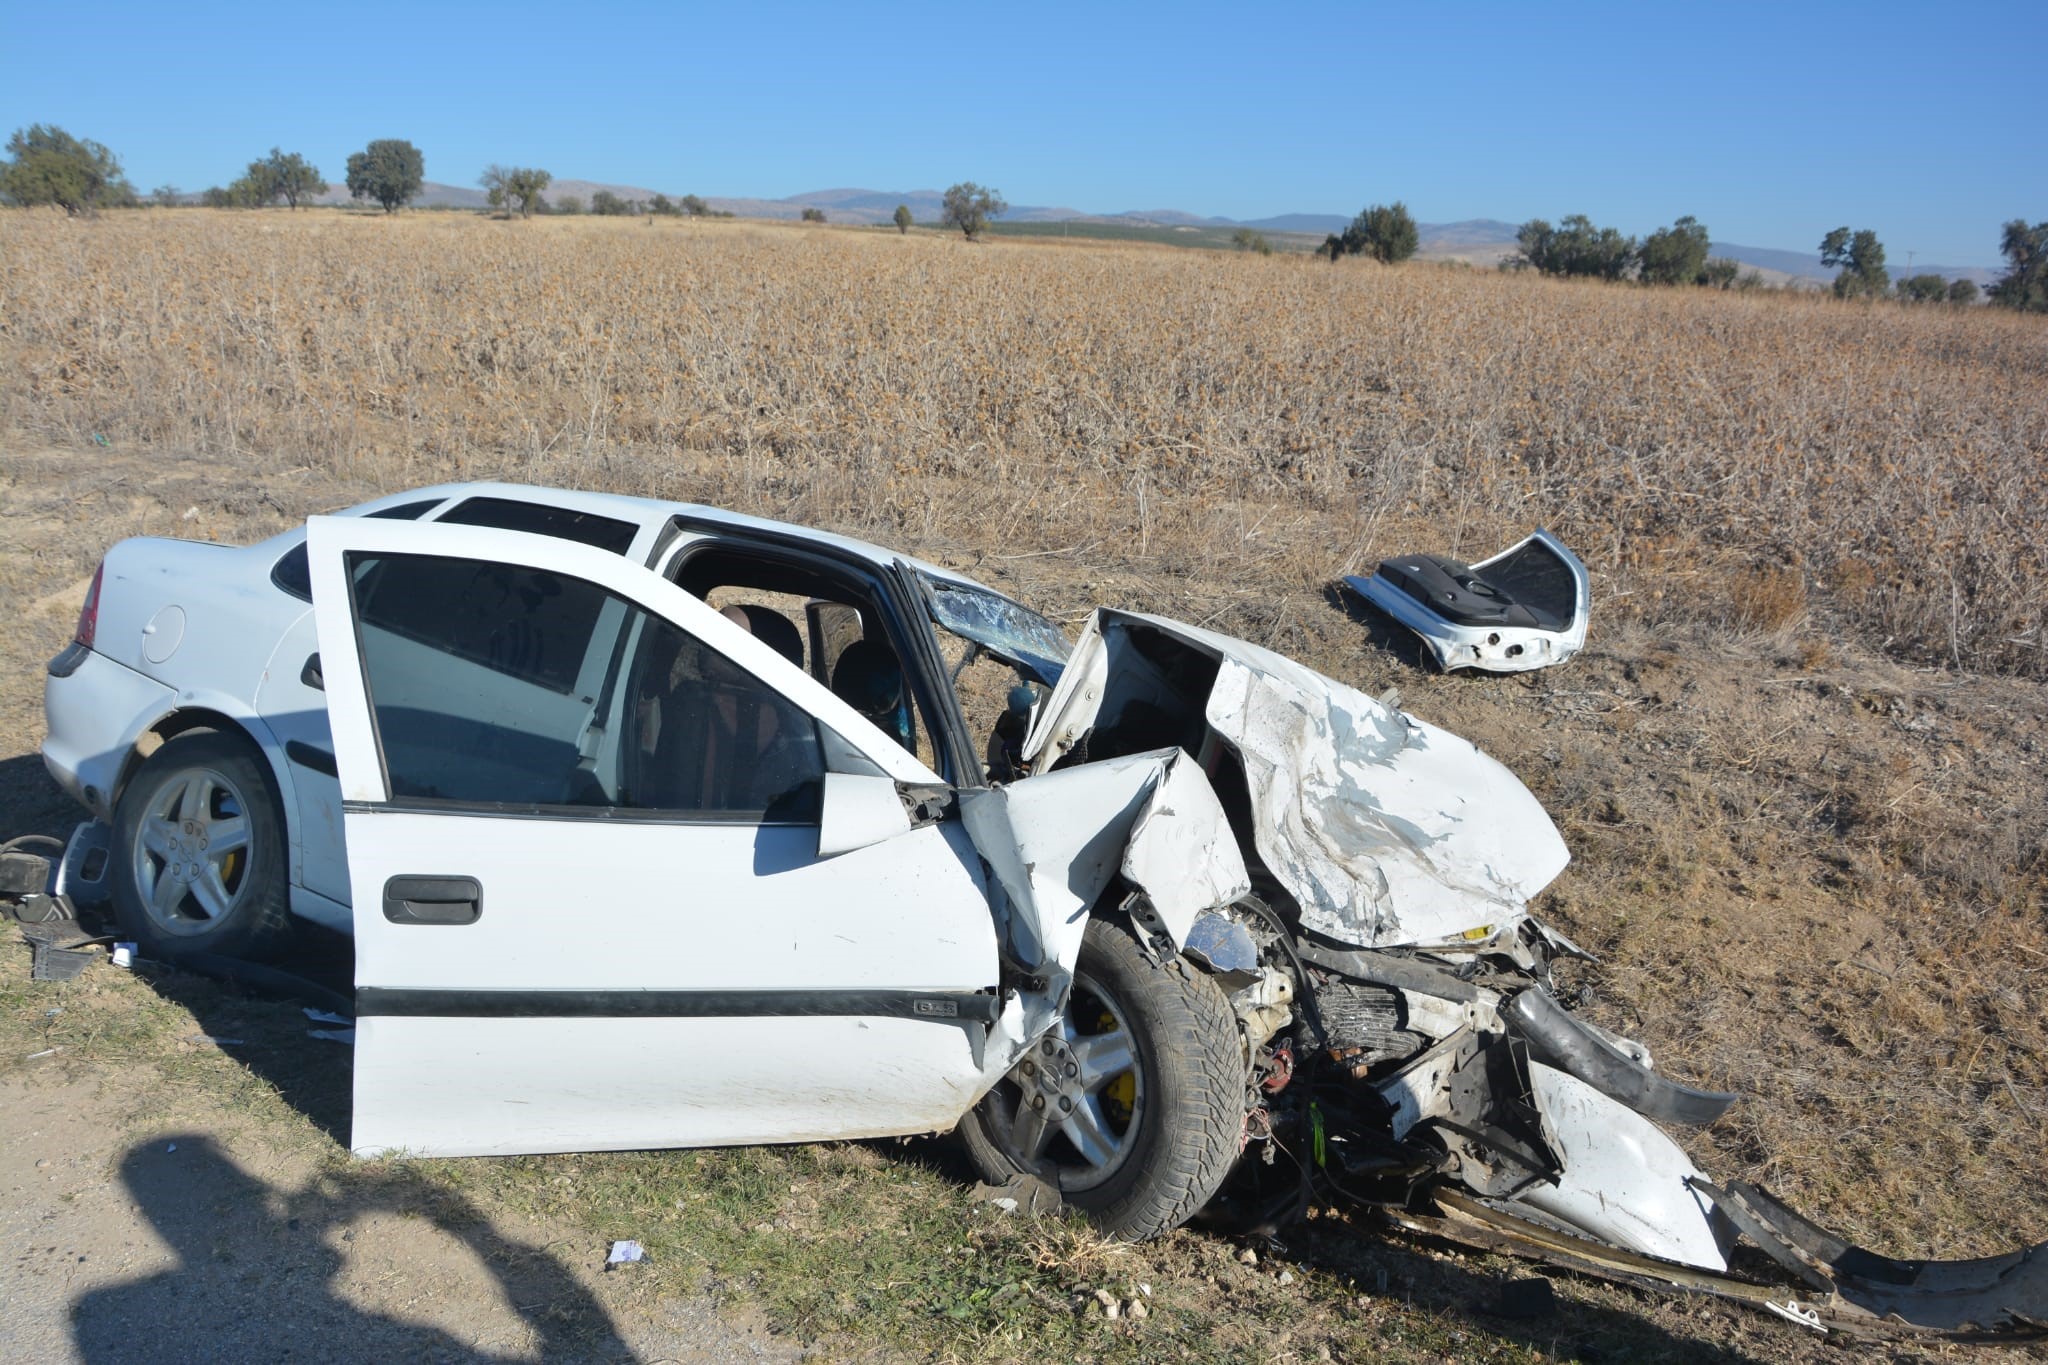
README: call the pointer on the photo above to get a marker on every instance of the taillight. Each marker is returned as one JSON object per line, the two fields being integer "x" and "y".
{"x": 89, "y": 614}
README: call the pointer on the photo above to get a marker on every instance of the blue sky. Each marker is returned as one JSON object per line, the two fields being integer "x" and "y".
{"x": 1770, "y": 123}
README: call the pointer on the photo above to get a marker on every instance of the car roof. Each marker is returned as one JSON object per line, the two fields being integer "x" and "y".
{"x": 643, "y": 511}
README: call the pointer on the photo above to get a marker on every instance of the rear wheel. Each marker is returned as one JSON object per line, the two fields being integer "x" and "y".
{"x": 199, "y": 855}
{"x": 1133, "y": 1105}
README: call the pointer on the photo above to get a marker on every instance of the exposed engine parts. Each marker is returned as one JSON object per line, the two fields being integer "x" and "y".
{"x": 1363, "y": 1024}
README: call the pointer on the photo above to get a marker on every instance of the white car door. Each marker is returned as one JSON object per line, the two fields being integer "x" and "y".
{"x": 582, "y": 818}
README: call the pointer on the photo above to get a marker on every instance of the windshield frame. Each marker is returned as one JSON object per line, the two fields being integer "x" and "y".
{"x": 1026, "y": 640}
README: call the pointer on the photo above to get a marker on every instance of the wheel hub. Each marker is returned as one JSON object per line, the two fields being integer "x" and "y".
{"x": 1076, "y": 1097}
{"x": 1050, "y": 1080}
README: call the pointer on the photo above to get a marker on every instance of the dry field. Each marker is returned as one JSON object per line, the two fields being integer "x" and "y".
{"x": 1801, "y": 764}
{"x": 1719, "y": 459}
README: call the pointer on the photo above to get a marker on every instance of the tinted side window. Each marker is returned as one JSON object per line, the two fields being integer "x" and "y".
{"x": 290, "y": 573}
{"x": 509, "y": 514}
{"x": 462, "y": 659}
{"x": 525, "y": 623}
{"x": 405, "y": 511}
{"x": 704, "y": 735}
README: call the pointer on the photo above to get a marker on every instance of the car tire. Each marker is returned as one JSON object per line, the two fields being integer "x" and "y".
{"x": 198, "y": 865}
{"x": 1176, "y": 1116}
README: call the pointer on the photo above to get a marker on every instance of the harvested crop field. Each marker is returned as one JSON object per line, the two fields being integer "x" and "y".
{"x": 1721, "y": 458}
{"x": 1801, "y": 764}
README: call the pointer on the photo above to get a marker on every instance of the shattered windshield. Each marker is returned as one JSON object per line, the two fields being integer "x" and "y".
{"x": 1012, "y": 632}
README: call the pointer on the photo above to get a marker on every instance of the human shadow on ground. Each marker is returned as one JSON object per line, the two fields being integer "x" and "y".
{"x": 260, "y": 1273}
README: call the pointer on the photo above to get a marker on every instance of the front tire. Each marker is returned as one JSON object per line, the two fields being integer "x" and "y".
{"x": 1133, "y": 1107}
{"x": 199, "y": 852}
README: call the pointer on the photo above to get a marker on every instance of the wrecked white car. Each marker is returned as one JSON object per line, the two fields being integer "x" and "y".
{"x": 695, "y": 829}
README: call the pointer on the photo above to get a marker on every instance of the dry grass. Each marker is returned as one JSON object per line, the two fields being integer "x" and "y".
{"x": 1200, "y": 407}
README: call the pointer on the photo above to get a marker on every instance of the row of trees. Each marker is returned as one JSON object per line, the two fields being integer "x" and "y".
{"x": 1674, "y": 255}
{"x": 48, "y": 166}
{"x": 1679, "y": 255}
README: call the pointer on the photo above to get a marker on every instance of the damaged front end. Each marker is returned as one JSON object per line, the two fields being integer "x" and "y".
{"x": 1368, "y": 918}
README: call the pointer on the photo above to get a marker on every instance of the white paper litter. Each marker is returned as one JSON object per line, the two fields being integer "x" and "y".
{"x": 625, "y": 1253}
{"x": 124, "y": 955}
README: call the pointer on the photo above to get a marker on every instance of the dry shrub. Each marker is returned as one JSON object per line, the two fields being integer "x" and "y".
{"x": 1197, "y": 408}
{"x": 1768, "y": 599}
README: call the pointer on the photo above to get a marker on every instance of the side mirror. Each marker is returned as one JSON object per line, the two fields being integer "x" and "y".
{"x": 858, "y": 812}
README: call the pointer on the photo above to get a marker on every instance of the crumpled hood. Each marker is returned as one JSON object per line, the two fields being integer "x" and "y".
{"x": 1387, "y": 830}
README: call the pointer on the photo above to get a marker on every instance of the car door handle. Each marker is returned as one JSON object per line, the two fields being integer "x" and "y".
{"x": 433, "y": 900}
{"x": 311, "y": 675}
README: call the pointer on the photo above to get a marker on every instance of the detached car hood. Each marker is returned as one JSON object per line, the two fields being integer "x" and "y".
{"x": 1386, "y": 830}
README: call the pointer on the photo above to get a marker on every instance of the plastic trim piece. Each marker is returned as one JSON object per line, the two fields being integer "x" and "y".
{"x": 1492, "y": 649}
{"x": 1569, "y": 1045}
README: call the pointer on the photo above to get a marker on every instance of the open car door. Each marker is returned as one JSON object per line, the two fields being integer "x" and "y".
{"x": 583, "y": 817}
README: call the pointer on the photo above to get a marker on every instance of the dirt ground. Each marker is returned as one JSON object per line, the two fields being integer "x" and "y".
{"x": 1812, "y": 876}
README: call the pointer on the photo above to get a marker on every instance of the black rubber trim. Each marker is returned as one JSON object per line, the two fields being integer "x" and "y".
{"x": 68, "y": 660}
{"x": 1559, "y": 1040}
{"x": 309, "y": 756}
{"x": 618, "y": 815}
{"x": 408, "y": 1003}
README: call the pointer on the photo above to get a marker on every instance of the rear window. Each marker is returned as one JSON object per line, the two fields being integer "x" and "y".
{"x": 509, "y": 514}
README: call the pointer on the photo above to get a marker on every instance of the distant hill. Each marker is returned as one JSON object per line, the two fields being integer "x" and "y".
{"x": 1300, "y": 222}
{"x": 433, "y": 195}
{"x": 1805, "y": 265}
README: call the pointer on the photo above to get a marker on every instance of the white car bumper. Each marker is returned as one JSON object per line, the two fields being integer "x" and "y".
{"x": 94, "y": 711}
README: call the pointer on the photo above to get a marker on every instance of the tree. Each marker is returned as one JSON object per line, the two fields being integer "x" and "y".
{"x": 47, "y": 165}
{"x": 568, "y": 205}
{"x": 812, "y": 215}
{"x": 283, "y": 175}
{"x": 1384, "y": 232}
{"x": 1719, "y": 273}
{"x": 608, "y": 205}
{"x": 1574, "y": 247}
{"x": 514, "y": 188}
{"x": 694, "y": 206}
{"x": 1246, "y": 239}
{"x": 165, "y": 196}
{"x": 215, "y": 197}
{"x": 661, "y": 206}
{"x": 389, "y": 170}
{"x": 1962, "y": 291}
{"x": 2024, "y": 286}
{"x": 969, "y": 206}
{"x": 1860, "y": 258}
{"x": 903, "y": 219}
{"x": 1678, "y": 255}
{"x": 1923, "y": 289}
